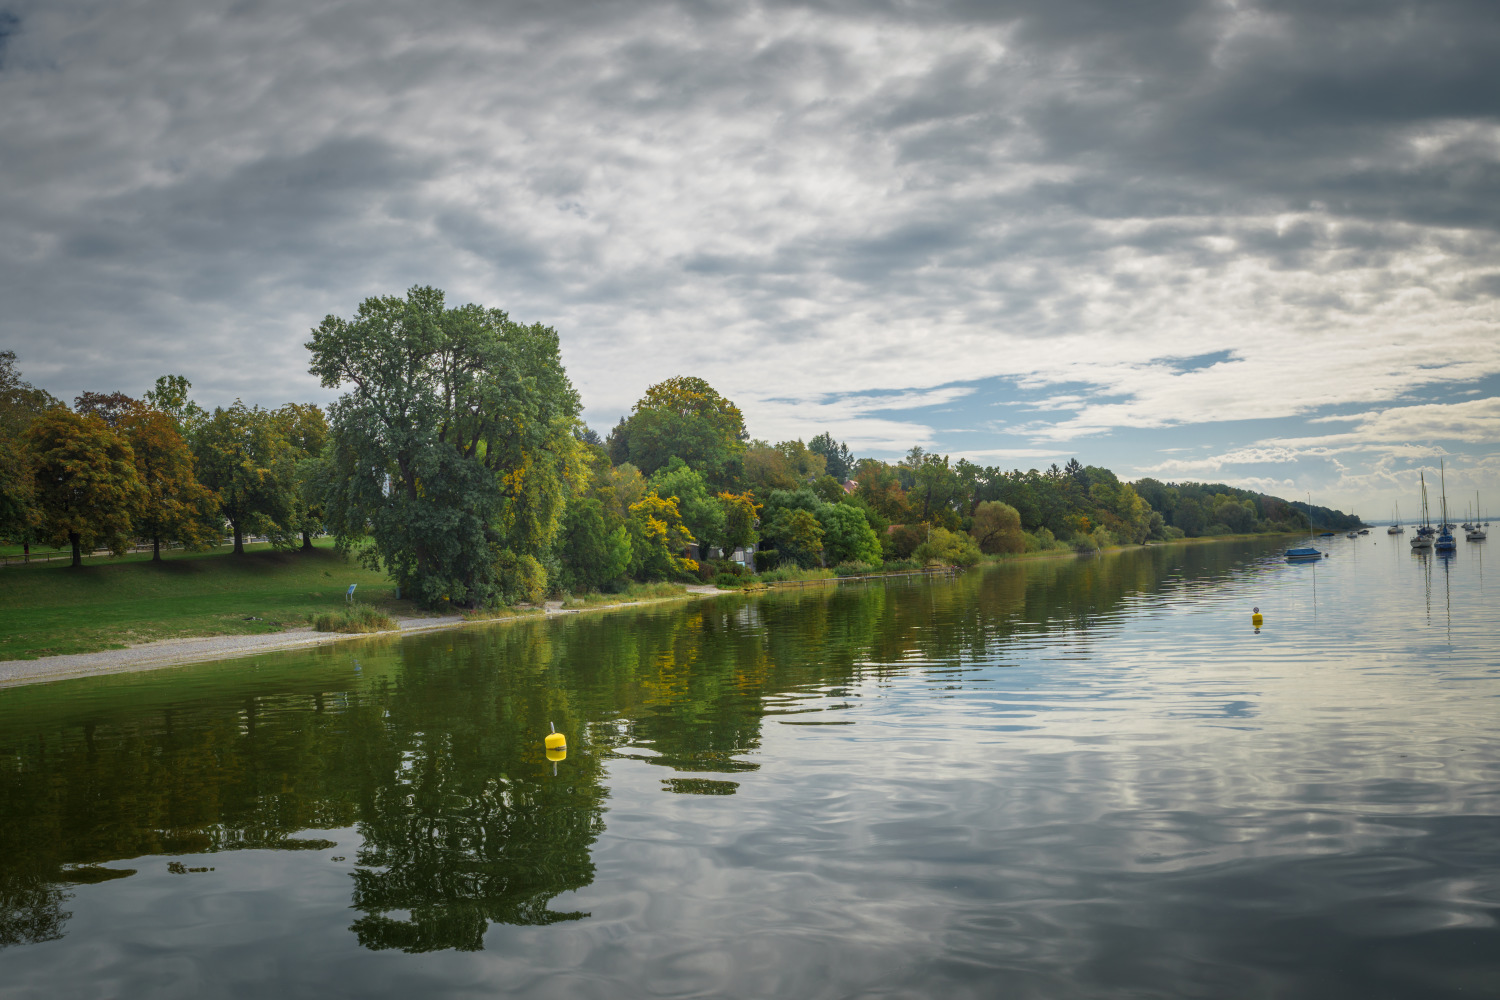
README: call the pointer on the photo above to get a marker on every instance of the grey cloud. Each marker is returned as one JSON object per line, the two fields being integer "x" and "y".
{"x": 698, "y": 179}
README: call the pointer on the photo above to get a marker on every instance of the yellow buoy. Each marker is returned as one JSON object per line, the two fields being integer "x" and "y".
{"x": 555, "y": 740}
{"x": 557, "y": 753}
{"x": 1256, "y": 618}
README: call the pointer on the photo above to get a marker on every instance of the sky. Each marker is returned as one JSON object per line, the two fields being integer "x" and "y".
{"x": 1246, "y": 242}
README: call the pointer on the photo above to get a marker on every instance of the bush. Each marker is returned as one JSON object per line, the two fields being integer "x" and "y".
{"x": 1042, "y": 540}
{"x": 728, "y": 581}
{"x": 354, "y": 618}
{"x": 900, "y": 566}
{"x": 791, "y": 573}
{"x": 1172, "y": 533}
{"x": 853, "y": 568}
{"x": 950, "y": 548}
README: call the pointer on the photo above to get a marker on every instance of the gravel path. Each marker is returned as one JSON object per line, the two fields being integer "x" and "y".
{"x": 150, "y": 655}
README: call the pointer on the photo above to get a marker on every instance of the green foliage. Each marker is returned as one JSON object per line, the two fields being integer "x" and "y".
{"x": 170, "y": 396}
{"x": 790, "y": 572}
{"x": 453, "y": 448}
{"x": 592, "y": 556}
{"x": 630, "y": 593}
{"x": 240, "y": 455}
{"x": 797, "y": 534}
{"x": 847, "y": 536}
{"x": 904, "y": 539}
{"x": 683, "y": 417}
{"x": 355, "y": 617}
{"x": 86, "y": 488}
{"x": 855, "y": 568}
{"x": 703, "y": 513}
{"x": 519, "y": 577}
{"x": 829, "y": 490}
{"x": 177, "y": 508}
{"x": 997, "y": 528}
{"x": 1042, "y": 540}
{"x": 838, "y": 460}
{"x": 740, "y": 515}
{"x": 658, "y": 539}
{"x": 951, "y": 548}
{"x": 20, "y": 404}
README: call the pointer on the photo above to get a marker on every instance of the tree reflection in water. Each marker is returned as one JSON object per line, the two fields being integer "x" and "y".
{"x": 432, "y": 749}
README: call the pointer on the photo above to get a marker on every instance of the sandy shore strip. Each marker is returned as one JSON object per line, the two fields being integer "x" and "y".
{"x": 199, "y": 649}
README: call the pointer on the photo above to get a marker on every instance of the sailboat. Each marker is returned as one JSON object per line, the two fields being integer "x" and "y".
{"x": 1395, "y": 528}
{"x": 1477, "y": 533}
{"x": 1306, "y": 553}
{"x": 1445, "y": 543}
{"x": 1423, "y": 541}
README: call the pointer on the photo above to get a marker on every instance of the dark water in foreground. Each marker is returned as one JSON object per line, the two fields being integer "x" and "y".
{"x": 1059, "y": 779}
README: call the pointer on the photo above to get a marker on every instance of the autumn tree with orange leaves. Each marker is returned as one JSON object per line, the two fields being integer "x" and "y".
{"x": 86, "y": 486}
{"x": 178, "y": 507}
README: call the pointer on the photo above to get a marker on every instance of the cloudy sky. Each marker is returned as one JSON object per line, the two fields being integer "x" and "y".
{"x": 1255, "y": 242}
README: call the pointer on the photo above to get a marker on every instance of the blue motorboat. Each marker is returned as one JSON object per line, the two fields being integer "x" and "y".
{"x": 1304, "y": 554}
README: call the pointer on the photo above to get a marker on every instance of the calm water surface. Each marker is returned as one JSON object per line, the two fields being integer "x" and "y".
{"x": 1072, "y": 778}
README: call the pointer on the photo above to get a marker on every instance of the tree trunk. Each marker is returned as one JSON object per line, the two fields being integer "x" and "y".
{"x": 306, "y": 542}
{"x": 239, "y": 541}
{"x": 156, "y": 549}
{"x": 77, "y": 549}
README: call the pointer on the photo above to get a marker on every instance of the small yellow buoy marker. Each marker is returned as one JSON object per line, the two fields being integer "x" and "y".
{"x": 1256, "y": 618}
{"x": 555, "y": 740}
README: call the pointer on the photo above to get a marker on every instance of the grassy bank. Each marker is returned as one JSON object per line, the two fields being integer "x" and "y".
{"x": 51, "y": 609}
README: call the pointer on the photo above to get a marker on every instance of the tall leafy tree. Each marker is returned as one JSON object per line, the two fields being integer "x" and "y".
{"x": 170, "y": 396}
{"x": 997, "y": 528}
{"x": 178, "y": 508}
{"x": 685, "y": 417}
{"x": 453, "y": 447}
{"x": 592, "y": 555}
{"x": 740, "y": 521}
{"x": 242, "y": 457}
{"x": 111, "y": 407}
{"x": 659, "y": 539}
{"x": 304, "y": 428}
{"x": 702, "y": 513}
{"x": 85, "y": 482}
{"x": 847, "y": 536}
{"x": 20, "y": 404}
{"x": 839, "y": 461}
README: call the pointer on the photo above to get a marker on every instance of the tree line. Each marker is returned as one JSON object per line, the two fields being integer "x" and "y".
{"x": 456, "y": 461}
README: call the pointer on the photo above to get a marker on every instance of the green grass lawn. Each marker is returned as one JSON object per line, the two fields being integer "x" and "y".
{"x": 51, "y": 608}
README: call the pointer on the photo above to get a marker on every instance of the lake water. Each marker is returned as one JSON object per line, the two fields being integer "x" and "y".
{"x": 1063, "y": 778}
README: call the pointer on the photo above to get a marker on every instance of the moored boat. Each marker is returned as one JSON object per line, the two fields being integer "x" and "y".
{"x": 1304, "y": 554}
{"x": 1444, "y": 544}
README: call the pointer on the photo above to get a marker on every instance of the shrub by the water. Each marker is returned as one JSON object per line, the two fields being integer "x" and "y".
{"x": 790, "y": 572}
{"x": 354, "y": 618}
{"x": 854, "y": 568}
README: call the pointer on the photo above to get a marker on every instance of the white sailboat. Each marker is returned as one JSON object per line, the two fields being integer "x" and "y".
{"x": 1423, "y": 541}
{"x": 1477, "y": 532}
{"x": 1395, "y": 528}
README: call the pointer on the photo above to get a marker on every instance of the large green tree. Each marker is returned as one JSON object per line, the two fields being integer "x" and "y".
{"x": 304, "y": 428}
{"x": 453, "y": 448}
{"x": 997, "y": 528}
{"x": 86, "y": 487}
{"x": 241, "y": 456}
{"x": 702, "y": 511}
{"x": 20, "y": 404}
{"x": 685, "y": 417}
